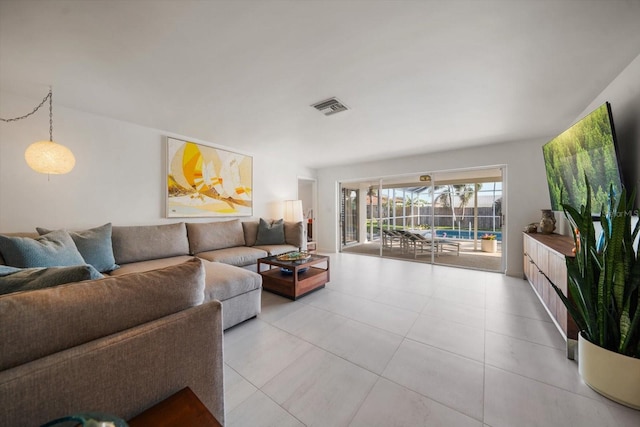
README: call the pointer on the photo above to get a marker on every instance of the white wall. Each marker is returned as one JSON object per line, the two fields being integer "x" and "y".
{"x": 305, "y": 194}
{"x": 526, "y": 187}
{"x": 119, "y": 173}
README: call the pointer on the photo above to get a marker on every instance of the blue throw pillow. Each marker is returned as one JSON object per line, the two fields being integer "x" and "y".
{"x": 55, "y": 249}
{"x": 270, "y": 234}
{"x": 15, "y": 279}
{"x": 94, "y": 245}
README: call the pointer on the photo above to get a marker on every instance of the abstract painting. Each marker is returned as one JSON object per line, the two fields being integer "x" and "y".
{"x": 204, "y": 181}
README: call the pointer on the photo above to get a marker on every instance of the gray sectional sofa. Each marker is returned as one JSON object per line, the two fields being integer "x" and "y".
{"x": 224, "y": 246}
{"x": 149, "y": 328}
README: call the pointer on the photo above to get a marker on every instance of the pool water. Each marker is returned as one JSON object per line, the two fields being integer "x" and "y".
{"x": 466, "y": 234}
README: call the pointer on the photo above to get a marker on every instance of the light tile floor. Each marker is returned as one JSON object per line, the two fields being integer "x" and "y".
{"x": 396, "y": 343}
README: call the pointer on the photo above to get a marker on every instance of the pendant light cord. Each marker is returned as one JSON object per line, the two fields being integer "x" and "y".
{"x": 49, "y": 97}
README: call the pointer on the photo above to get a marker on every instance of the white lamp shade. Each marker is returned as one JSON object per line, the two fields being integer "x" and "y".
{"x": 293, "y": 210}
{"x": 49, "y": 157}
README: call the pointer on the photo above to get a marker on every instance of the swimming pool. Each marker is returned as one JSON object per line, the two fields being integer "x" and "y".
{"x": 466, "y": 234}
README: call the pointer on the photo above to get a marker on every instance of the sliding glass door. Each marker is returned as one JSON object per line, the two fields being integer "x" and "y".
{"x": 440, "y": 217}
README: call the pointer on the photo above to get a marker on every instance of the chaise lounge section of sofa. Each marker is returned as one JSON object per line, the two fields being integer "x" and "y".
{"x": 223, "y": 246}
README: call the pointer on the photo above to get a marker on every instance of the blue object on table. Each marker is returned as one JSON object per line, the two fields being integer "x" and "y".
{"x": 88, "y": 419}
{"x": 290, "y": 271}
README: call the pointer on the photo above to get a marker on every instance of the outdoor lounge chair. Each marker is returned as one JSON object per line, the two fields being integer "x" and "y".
{"x": 419, "y": 244}
{"x": 389, "y": 237}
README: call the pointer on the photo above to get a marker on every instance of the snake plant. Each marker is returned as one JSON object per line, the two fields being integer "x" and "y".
{"x": 604, "y": 276}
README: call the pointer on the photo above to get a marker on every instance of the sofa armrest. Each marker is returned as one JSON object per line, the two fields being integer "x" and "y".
{"x": 122, "y": 374}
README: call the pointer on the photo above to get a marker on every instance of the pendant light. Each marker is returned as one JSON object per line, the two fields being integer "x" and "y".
{"x": 47, "y": 156}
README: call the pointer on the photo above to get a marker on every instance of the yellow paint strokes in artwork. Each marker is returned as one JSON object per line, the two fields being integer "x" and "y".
{"x": 191, "y": 163}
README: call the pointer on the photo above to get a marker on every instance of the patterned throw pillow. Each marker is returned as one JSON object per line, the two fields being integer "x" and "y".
{"x": 270, "y": 234}
{"x": 55, "y": 249}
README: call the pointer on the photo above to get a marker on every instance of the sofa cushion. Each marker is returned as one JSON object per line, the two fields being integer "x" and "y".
{"x": 143, "y": 242}
{"x": 214, "y": 235}
{"x": 226, "y": 281}
{"x": 294, "y": 234}
{"x": 14, "y": 279}
{"x": 152, "y": 264}
{"x": 270, "y": 233}
{"x": 94, "y": 245}
{"x": 240, "y": 255}
{"x": 250, "y": 229}
{"x": 55, "y": 249}
{"x": 43, "y": 322}
{"x": 277, "y": 249}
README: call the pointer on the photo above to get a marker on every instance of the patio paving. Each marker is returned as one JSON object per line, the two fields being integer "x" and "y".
{"x": 468, "y": 258}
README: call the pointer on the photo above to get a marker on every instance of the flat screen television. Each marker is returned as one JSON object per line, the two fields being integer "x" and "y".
{"x": 590, "y": 147}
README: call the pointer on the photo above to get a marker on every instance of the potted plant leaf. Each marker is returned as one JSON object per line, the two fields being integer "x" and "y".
{"x": 604, "y": 298}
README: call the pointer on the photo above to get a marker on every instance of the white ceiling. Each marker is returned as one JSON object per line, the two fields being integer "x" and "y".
{"x": 419, "y": 76}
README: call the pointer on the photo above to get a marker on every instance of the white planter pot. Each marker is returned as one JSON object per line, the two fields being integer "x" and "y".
{"x": 611, "y": 374}
{"x": 489, "y": 245}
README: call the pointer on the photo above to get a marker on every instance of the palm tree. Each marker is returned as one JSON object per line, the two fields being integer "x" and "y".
{"x": 445, "y": 199}
{"x": 447, "y": 193}
{"x": 465, "y": 194}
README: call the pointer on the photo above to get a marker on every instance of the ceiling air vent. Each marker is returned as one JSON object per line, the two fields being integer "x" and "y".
{"x": 330, "y": 106}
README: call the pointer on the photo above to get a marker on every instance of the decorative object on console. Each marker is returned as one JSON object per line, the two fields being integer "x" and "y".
{"x": 47, "y": 156}
{"x": 531, "y": 228}
{"x": 604, "y": 296}
{"x": 547, "y": 222}
{"x": 204, "y": 181}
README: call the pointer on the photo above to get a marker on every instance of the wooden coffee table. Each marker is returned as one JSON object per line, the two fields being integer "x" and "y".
{"x": 298, "y": 277}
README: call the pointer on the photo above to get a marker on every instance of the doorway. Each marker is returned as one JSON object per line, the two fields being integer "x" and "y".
{"x": 442, "y": 217}
{"x": 349, "y": 222}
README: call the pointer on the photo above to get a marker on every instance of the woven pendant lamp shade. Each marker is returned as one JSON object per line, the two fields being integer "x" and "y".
{"x": 49, "y": 157}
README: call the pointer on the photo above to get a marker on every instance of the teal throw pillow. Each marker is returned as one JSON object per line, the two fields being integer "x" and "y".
{"x": 16, "y": 279}
{"x": 94, "y": 245}
{"x": 55, "y": 249}
{"x": 270, "y": 234}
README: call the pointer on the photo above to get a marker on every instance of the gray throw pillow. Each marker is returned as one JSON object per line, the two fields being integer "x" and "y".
{"x": 55, "y": 249}
{"x": 94, "y": 245}
{"x": 270, "y": 234}
{"x": 16, "y": 279}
